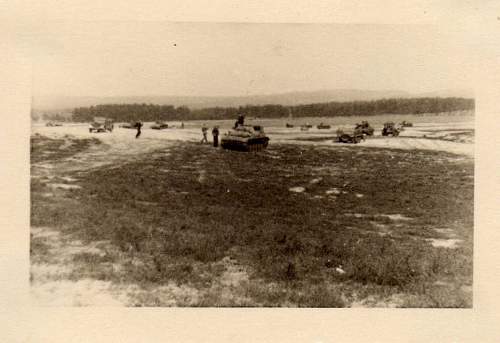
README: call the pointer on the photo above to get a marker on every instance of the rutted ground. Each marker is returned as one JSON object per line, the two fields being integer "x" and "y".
{"x": 77, "y": 258}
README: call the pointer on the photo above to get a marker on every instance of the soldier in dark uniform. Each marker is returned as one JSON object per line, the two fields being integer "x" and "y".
{"x": 138, "y": 125}
{"x": 240, "y": 121}
{"x": 215, "y": 133}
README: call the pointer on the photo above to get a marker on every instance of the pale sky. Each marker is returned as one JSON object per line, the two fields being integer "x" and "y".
{"x": 202, "y": 59}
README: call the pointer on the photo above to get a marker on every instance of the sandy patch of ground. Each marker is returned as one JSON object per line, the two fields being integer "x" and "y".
{"x": 52, "y": 283}
{"x": 63, "y": 186}
{"x": 393, "y": 217}
{"x": 333, "y": 191}
{"x": 394, "y": 301}
{"x": 450, "y": 243}
{"x": 297, "y": 189}
{"x": 118, "y": 147}
{"x": 49, "y": 275}
{"x": 86, "y": 292}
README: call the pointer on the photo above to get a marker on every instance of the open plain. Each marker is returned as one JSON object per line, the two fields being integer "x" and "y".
{"x": 163, "y": 220}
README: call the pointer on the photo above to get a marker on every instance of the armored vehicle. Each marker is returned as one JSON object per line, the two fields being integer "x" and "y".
{"x": 50, "y": 124}
{"x": 390, "y": 130}
{"x": 365, "y": 128}
{"x": 350, "y": 136}
{"x": 245, "y": 138}
{"x": 159, "y": 125}
{"x": 405, "y": 123}
{"x": 322, "y": 126}
{"x": 101, "y": 124}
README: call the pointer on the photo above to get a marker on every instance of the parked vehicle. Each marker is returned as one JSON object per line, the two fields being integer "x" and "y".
{"x": 51, "y": 124}
{"x": 365, "y": 128}
{"x": 350, "y": 136}
{"x": 159, "y": 125}
{"x": 101, "y": 124}
{"x": 390, "y": 130}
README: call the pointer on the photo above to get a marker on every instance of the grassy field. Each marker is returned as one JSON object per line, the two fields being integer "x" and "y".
{"x": 291, "y": 226}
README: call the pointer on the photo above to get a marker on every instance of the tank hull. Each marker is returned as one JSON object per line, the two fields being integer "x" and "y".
{"x": 159, "y": 127}
{"x": 244, "y": 144}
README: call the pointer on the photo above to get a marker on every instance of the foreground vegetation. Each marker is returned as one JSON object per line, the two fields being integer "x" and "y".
{"x": 150, "y": 112}
{"x": 357, "y": 230}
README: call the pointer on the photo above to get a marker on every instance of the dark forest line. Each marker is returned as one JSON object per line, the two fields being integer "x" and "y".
{"x": 151, "y": 112}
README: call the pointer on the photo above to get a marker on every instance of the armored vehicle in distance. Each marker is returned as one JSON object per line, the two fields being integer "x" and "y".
{"x": 350, "y": 136}
{"x": 390, "y": 130}
{"x": 159, "y": 125}
{"x": 365, "y": 128}
{"x": 245, "y": 138}
{"x": 101, "y": 124}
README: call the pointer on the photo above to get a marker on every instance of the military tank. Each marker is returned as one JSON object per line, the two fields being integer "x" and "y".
{"x": 51, "y": 124}
{"x": 350, "y": 136}
{"x": 366, "y": 128}
{"x": 245, "y": 138}
{"x": 322, "y": 126}
{"x": 390, "y": 129}
{"x": 101, "y": 124}
{"x": 159, "y": 125}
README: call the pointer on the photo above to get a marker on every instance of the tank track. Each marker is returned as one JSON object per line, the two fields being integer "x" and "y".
{"x": 250, "y": 146}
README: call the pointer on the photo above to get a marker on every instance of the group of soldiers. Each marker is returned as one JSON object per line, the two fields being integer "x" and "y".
{"x": 215, "y": 134}
{"x": 215, "y": 131}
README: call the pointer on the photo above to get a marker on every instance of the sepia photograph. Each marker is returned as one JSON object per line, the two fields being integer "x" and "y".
{"x": 198, "y": 164}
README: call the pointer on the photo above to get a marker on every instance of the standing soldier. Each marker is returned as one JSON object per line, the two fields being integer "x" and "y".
{"x": 240, "y": 121}
{"x": 204, "y": 131}
{"x": 215, "y": 133}
{"x": 138, "y": 125}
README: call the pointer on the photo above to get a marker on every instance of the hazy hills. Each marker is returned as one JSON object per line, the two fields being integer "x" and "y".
{"x": 49, "y": 103}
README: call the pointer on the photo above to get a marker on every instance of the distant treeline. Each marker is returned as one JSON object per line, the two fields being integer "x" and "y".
{"x": 150, "y": 112}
